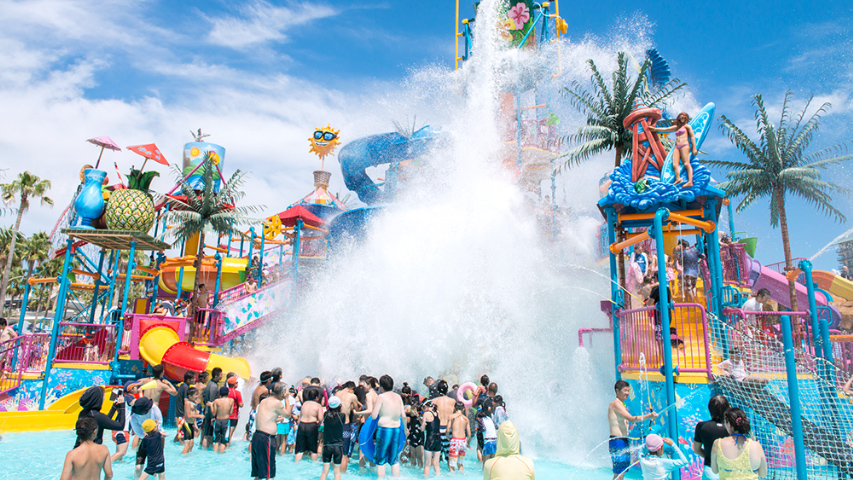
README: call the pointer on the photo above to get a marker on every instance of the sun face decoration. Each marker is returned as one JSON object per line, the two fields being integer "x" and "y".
{"x": 324, "y": 141}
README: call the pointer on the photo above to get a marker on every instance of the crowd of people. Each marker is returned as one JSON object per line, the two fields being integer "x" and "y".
{"x": 430, "y": 431}
{"x": 723, "y": 442}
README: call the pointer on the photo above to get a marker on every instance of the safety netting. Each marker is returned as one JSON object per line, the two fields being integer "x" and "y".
{"x": 750, "y": 370}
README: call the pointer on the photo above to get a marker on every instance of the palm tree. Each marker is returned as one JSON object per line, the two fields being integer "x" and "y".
{"x": 777, "y": 166}
{"x": 606, "y": 108}
{"x": 216, "y": 212}
{"x": 6, "y": 235}
{"x": 35, "y": 250}
{"x": 27, "y": 186}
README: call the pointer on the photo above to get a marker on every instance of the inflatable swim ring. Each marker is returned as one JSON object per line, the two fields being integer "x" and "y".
{"x": 466, "y": 394}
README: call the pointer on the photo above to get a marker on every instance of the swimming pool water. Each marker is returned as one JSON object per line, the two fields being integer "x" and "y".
{"x": 40, "y": 455}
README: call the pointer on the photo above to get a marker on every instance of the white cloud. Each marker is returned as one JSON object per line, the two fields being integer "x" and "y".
{"x": 262, "y": 22}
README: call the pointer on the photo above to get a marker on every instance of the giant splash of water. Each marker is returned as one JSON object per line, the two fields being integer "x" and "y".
{"x": 458, "y": 278}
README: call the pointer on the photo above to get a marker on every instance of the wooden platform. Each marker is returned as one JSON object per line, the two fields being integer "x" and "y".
{"x": 117, "y": 239}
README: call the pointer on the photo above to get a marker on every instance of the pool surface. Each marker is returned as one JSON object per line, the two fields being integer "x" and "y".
{"x": 40, "y": 455}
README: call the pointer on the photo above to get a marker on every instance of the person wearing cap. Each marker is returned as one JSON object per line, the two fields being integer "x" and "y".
{"x": 333, "y": 436}
{"x": 221, "y": 410}
{"x": 235, "y": 395}
{"x": 262, "y": 388}
{"x": 122, "y": 438}
{"x": 654, "y": 465}
{"x": 151, "y": 448}
{"x": 144, "y": 409}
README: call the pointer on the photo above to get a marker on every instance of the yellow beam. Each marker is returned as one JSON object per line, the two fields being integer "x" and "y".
{"x": 708, "y": 226}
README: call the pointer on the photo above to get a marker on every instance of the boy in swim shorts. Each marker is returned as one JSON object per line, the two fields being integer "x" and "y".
{"x": 460, "y": 430}
{"x": 221, "y": 411}
{"x": 619, "y": 420}
{"x": 151, "y": 447}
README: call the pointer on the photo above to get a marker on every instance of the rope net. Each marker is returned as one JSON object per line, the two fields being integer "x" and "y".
{"x": 750, "y": 371}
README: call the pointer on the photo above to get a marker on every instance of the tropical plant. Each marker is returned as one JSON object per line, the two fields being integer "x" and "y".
{"x": 6, "y": 234}
{"x": 26, "y": 187}
{"x": 606, "y": 109}
{"x": 209, "y": 211}
{"x": 35, "y": 250}
{"x": 777, "y": 167}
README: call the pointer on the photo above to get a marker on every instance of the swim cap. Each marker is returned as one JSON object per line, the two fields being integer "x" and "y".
{"x": 223, "y": 391}
{"x": 232, "y": 381}
{"x": 653, "y": 443}
{"x": 149, "y": 425}
{"x": 334, "y": 402}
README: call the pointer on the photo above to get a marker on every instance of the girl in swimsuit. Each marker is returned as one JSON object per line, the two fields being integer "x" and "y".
{"x": 683, "y": 139}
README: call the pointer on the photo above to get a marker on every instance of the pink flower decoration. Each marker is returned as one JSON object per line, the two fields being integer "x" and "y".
{"x": 519, "y": 14}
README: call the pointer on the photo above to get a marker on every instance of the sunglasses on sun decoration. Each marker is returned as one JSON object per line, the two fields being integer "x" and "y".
{"x": 327, "y": 136}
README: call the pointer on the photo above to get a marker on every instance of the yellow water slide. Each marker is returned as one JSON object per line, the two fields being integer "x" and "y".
{"x": 59, "y": 415}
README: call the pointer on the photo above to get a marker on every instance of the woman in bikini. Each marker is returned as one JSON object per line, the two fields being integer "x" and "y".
{"x": 738, "y": 456}
{"x": 684, "y": 138}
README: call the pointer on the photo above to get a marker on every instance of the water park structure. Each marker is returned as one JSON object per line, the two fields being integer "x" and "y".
{"x": 124, "y": 306}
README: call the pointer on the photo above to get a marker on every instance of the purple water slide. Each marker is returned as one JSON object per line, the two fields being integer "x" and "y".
{"x": 777, "y": 283}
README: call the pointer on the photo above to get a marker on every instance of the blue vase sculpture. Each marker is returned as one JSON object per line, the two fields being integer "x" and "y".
{"x": 90, "y": 201}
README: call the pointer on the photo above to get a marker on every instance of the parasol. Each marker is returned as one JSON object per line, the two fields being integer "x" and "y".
{"x": 104, "y": 142}
{"x": 150, "y": 152}
{"x": 298, "y": 212}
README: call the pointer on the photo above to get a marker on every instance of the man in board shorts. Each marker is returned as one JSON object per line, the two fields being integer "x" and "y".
{"x": 618, "y": 417}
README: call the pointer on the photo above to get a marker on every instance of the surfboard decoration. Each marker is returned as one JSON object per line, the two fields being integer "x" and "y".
{"x": 700, "y": 124}
{"x": 365, "y": 437}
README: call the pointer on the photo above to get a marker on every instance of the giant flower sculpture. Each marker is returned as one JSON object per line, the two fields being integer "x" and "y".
{"x": 519, "y": 14}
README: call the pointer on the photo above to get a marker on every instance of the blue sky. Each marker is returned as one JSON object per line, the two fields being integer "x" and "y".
{"x": 261, "y": 75}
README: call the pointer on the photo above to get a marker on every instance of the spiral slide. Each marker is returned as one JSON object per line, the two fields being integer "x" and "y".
{"x": 159, "y": 343}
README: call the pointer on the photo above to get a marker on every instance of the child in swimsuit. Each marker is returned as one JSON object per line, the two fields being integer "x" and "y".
{"x": 187, "y": 428}
{"x": 460, "y": 429}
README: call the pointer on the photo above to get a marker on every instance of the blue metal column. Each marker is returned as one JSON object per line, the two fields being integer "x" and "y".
{"x": 295, "y": 254}
{"x": 731, "y": 220}
{"x": 57, "y": 317}
{"x": 714, "y": 249}
{"x": 806, "y": 267}
{"x": 663, "y": 307}
{"x": 615, "y": 292}
{"x": 218, "y": 258}
{"x": 179, "y": 290}
{"x": 27, "y": 288}
{"x": 251, "y": 247}
{"x": 97, "y": 287}
{"x": 115, "y": 259}
{"x": 155, "y": 289}
{"x": 127, "y": 277}
{"x": 794, "y": 399}
{"x": 261, "y": 262}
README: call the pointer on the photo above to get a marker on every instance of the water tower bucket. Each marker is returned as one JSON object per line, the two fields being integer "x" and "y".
{"x": 749, "y": 245}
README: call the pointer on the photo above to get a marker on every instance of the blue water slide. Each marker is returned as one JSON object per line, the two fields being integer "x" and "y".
{"x": 357, "y": 156}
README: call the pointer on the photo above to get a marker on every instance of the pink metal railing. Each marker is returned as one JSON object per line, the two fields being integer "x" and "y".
{"x": 733, "y": 259}
{"x": 208, "y": 322}
{"x": 233, "y": 293}
{"x": 10, "y": 372}
{"x": 33, "y": 356}
{"x": 244, "y": 293}
{"x": 642, "y": 339}
{"x": 85, "y": 343}
{"x": 780, "y": 266}
{"x": 765, "y": 326}
{"x": 842, "y": 352}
